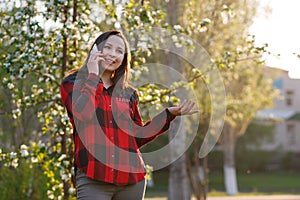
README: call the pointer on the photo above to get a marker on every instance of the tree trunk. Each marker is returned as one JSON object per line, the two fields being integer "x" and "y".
{"x": 229, "y": 163}
{"x": 203, "y": 175}
{"x": 179, "y": 188}
{"x": 198, "y": 173}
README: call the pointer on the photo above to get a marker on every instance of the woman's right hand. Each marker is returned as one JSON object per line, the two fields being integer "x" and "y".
{"x": 93, "y": 63}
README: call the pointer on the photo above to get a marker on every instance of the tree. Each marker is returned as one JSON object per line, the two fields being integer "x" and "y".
{"x": 221, "y": 27}
{"x": 178, "y": 179}
{"x": 41, "y": 40}
{"x": 248, "y": 91}
{"x": 233, "y": 51}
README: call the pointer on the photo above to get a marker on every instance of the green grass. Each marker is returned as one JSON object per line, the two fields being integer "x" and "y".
{"x": 283, "y": 182}
{"x": 160, "y": 189}
{"x": 254, "y": 183}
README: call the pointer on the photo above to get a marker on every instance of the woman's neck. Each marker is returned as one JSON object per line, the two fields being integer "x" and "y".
{"x": 106, "y": 78}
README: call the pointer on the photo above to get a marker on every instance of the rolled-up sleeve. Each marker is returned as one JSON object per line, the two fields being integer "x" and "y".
{"x": 146, "y": 132}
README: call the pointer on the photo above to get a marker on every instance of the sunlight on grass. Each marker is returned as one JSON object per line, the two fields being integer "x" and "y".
{"x": 250, "y": 184}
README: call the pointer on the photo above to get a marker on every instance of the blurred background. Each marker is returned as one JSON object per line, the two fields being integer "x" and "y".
{"x": 252, "y": 45}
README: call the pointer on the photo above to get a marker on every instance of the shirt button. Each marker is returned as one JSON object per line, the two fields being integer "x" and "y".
{"x": 113, "y": 156}
{"x": 109, "y": 105}
{"x": 110, "y": 121}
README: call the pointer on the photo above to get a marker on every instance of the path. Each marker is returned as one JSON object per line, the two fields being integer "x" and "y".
{"x": 266, "y": 197}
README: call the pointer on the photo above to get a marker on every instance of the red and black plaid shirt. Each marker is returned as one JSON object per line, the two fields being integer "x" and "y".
{"x": 108, "y": 130}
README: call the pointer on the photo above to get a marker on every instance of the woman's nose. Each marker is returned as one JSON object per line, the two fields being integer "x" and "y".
{"x": 112, "y": 53}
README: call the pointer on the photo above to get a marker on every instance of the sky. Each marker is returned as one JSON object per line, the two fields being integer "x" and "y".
{"x": 280, "y": 30}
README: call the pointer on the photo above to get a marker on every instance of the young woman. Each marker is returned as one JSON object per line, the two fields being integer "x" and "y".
{"x": 107, "y": 126}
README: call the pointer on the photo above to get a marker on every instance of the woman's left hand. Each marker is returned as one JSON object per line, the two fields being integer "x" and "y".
{"x": 185, "y": 108}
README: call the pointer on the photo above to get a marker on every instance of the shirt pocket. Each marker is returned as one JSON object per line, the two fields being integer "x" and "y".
{"x": 122, "y": 114}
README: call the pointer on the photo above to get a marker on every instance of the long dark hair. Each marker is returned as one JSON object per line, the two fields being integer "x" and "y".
{"x": 120, "y": 77}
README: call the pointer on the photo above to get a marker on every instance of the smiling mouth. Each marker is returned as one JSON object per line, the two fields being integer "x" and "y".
{"x": 109, "y": 61}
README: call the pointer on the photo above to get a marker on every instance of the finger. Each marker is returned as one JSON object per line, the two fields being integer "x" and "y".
{"x": 183, "y": 107}
{"x": 192, "y": 112}
{"x": 96, "y": 60}
{"x": 187, "y": 106}
{"x": 183, "y": 104}
{"x": 192, "y": 104}
{"x": 100, "y": 59}
{"x": 96, "y": 55}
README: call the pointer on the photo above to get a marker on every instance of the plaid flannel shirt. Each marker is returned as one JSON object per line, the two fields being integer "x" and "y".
{"x": 108, "y": 130}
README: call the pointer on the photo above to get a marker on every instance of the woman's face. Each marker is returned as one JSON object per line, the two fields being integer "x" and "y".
{"x": 114, "y": 51}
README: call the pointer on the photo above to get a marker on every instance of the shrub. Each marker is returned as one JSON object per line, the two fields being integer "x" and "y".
{"x": 26, "y": 181}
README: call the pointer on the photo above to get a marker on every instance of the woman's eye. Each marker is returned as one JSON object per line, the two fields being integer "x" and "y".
{"x": 110, "y": 47}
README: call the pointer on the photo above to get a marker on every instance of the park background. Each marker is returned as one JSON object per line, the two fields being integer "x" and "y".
{"x": 42, "y": 40}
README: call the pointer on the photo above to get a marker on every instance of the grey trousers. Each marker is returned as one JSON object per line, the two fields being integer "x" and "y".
{"x": 88, "y": 189}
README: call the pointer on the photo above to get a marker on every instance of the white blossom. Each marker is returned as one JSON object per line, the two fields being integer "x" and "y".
{"x": 177, "y": 27}
{"x": 34, "y": 86}
{"x": 15, "y": 162}
{"x": 34, "y": 160}
{"x": 6, "y": 64}
{"x": 50, "y": 194}
{"x": 24, "y": 152}
{"x": 69, "y": 140}
{"x": 178, "y": 45}
{"x": 40, "y": 91}
{"x": 174, "y": 38}
{"x": 64, "y": 177}
{"x": 203, "y": 29}
{"x": 136, "y": 18}
{"x": 193, "y": 24}
{"x": 148, "y": 97}
{"x": 189, "y": 42}
{"x": 10, "y": 85}
{"x": 206, "y": 21}
{"x": 13, "y": 155}
{"x": 66, "y": 162}
{"x": 39, "y": 55}
{"x": 27, "y": 98}
{"x": 4, "y": 80}
{"x": 72, "y": 190}
{"x": 12, "y": 77}
{"x": 58, "y": 139}
{"x": 63, "y": 156}
{"x": 54, "y": 112}
{"x": 41, "y": 144}
{"x": 16, "y": 113}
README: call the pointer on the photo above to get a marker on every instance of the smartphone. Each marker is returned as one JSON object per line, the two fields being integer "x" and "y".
{"x": 94, "y": 50}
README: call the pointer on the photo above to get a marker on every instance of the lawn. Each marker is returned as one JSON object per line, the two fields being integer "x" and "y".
{"x": 255, "y": 183}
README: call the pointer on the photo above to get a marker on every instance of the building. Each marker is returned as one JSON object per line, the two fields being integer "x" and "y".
{"x": 285, "y": 114}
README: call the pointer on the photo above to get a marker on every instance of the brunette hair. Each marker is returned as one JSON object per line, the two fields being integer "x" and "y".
{"x": 120, "y": 77}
